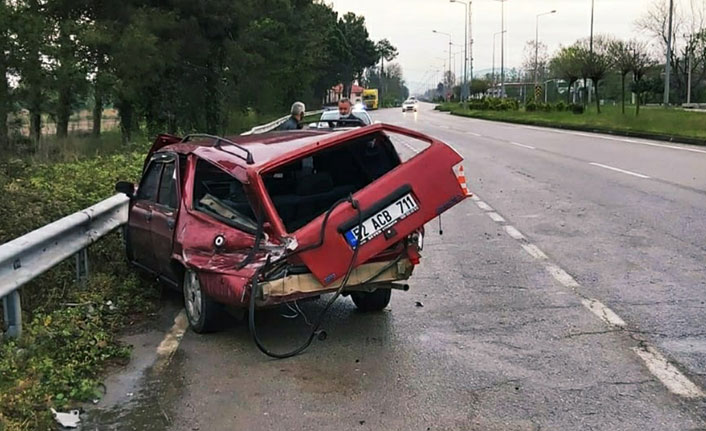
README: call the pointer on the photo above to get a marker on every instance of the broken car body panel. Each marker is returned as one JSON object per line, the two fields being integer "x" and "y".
{"x": 294, "y": 179}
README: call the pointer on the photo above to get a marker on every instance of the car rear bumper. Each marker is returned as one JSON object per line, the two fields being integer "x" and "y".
{"x": 299, "y": 286}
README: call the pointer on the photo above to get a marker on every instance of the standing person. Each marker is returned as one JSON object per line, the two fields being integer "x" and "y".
{"x": 295, "y": 121}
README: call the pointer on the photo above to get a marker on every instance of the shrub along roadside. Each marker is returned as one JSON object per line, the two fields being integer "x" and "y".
{"x": 660, "y": 124}
{"x": 69, "y": 330}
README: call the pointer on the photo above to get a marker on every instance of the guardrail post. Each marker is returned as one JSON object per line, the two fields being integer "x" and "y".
{"x": 12, "y": 313}
{"x": 81, "y": 265}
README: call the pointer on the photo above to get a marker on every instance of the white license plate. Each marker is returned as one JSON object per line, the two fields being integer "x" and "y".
{"x": 383, "y": 219}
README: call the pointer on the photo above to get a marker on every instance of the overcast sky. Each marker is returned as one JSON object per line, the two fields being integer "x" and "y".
{"x": 408, "y": 24}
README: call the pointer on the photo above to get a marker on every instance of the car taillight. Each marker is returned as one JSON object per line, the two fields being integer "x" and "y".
{"x": 461, "y": 176}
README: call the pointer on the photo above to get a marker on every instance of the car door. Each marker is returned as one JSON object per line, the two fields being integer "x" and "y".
{"x": 164, "y": 214}
{"x": 140, "y": 220}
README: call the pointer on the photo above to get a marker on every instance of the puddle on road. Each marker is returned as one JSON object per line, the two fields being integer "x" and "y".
{"x": 149, "y": 408}
{"x": 140, "y": 396}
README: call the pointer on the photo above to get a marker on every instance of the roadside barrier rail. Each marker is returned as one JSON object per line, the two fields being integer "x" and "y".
{"x": 30, "y": 255}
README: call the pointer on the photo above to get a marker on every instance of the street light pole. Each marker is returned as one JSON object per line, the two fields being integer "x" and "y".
{"x": 502, "y": 48}
{"x": 536, "y": 44}
{"x": 591, "y": 40}
{"x": 494, "y": 80}
{"x": 466, "y": 89}
{"x": 449, "y": 35}
{"x": 667, "y": 69}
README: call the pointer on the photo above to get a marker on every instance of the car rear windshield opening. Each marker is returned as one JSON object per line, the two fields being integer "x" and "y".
{"x": 304, "y": 189}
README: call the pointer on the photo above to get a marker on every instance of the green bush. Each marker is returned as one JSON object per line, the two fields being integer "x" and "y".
{"x": 546, "y": 107}
{"x": 560, "y": 106}
{"x": 69, "y": 328}
{"x": 530, "y": 106}
{"x": 577, "y": 108}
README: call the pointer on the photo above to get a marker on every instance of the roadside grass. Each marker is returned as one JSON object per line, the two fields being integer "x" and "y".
{"x": 70, "y": 330}
{"x": 667, "y": 123}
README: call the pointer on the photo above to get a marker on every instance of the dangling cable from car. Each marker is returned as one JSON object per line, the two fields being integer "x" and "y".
{"x": 315, "y": 329}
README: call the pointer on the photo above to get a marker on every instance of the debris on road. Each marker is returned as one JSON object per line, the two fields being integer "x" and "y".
{"x": 419, "y": 304}
{"x": 67, "y": 420}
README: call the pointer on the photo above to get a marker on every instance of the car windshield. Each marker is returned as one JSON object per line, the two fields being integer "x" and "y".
{"x": 369, "y": 96}
{"x": 334, "y": 115}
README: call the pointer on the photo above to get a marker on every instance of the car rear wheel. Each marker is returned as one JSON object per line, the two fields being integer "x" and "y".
{"x": 372, "y": 301}
{"x": 203, "y": 313}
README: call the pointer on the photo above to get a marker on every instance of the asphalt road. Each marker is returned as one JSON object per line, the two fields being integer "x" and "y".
{"x": 570, "y": 295}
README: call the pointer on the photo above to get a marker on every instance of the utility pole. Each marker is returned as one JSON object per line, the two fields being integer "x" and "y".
{"x": 493, "y": 73}
{"x": 536, "y": 47}
{"x": 464, "y": 88}
{"x": 502, "y": 48}
{"x": 688, "y": 76}
{"x": 591, "y": 40}
{"x": 667, "y": 66}
{"x": 450, "y": 43}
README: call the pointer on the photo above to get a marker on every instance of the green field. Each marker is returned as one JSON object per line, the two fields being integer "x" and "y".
{"x": 673, "y": 124}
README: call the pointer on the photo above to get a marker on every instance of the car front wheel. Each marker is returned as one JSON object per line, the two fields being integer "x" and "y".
{"x": 372, "y": 301}
{"x": 203, "y": 313}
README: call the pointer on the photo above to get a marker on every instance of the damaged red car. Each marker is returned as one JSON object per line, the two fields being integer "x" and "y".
{"x": 265, "y": 219}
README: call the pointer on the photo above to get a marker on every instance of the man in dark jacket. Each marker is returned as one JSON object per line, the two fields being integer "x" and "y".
{"x": 295, "y": 121}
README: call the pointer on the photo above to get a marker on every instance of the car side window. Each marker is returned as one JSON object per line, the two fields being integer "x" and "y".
{"x": 150, "y": 182}
{"x": 167, "y": 187}
{"x": 221, "y": 195}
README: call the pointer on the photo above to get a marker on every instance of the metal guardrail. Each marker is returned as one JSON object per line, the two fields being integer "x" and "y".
{"x": 30, "y": 255}
{"x": 272, "y": 125}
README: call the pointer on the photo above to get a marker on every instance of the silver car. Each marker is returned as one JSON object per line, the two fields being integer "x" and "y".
{"x": 332, "y": 118}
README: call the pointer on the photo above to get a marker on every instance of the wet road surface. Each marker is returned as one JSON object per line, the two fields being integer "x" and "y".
{"x": 502, "y": 329}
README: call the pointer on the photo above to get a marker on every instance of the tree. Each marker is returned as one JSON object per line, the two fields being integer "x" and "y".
{"x": 641, "y": 63}
{"x": 67, "y": 68}
{"x": 6, "y": 49}
{"x": 388, "y": 52}
{"x": 566, "y": 65}
{"x": 31, "y": 44}
{"x": 538, "y": 67}
{"x": 688, "y": 40}
{"x": 595, "y": 63}
{"x": 360, "y": 49}
{"x": 621, "y": 55}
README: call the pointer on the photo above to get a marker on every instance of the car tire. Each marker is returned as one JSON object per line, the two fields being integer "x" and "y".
{"x": 372, "y": 301}
{"x": 202, "y": 312}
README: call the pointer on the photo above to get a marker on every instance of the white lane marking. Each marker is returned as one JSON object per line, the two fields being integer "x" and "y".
{"x": 604, "y": 313}
{"x": 562, "y": 276}
{"x": 484, "y": 206}
{"x": 496, "y": 217}
{"x": 610, "y": 138}
{"x": 514, "y": 233}
{"x": 474, "y": 134}
{"x": 534, "y": 251}
{"x": 667, "y": 373}
{"x": 522, "y": 145}
{"x": 656, "y": 363}
{"x": 410, "y": 147}
{"x": 171, "y": 340}
{"x": 619, "y": 170}
{"x": 475, "y": 198}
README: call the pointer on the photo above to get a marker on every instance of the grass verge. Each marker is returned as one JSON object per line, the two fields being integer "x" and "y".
{"x": 654, "y": 123}
{"x": 69, "y": 330}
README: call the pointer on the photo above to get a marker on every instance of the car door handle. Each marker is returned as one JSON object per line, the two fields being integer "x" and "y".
{"x": 170, "y": 223}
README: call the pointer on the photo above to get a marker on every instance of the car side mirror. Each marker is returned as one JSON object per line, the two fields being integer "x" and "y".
{"x": 125, "y": 187}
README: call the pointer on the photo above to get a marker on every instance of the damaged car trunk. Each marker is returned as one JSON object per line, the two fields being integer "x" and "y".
{"x": 288, "y": 215}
